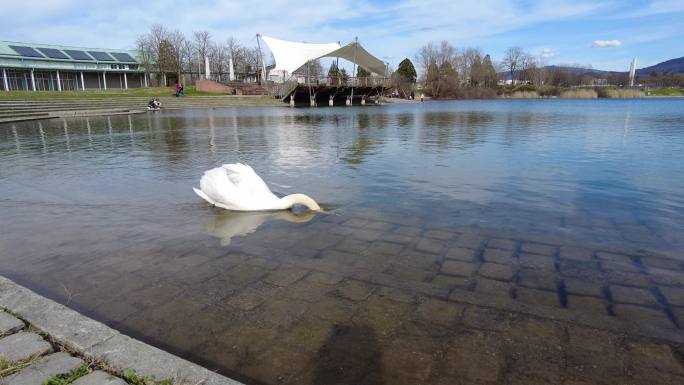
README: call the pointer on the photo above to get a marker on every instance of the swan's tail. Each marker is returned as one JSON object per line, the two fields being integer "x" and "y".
{"x": 203, "y": 196}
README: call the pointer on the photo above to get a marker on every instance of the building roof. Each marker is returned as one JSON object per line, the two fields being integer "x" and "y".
{"x": 58, "y": 53}
{"x": 291, "y": 55}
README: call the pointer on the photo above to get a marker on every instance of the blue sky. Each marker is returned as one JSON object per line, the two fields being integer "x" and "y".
{"x": 604, "y": 34}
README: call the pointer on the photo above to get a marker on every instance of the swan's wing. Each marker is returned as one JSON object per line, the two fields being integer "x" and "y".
{"x": 218, "y": 190}
{"x": 248, "y": 182}
{"x": 203, "y": 195}
{"x": 236, "y": 187}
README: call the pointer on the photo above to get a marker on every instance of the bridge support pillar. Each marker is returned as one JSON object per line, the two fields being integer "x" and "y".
{"x": 291, "y": 100}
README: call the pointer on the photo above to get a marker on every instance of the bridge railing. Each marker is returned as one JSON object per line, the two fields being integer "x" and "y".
{"x": 369, "y": 81}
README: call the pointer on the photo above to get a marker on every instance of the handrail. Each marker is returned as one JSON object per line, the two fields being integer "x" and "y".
{"x": 283, "y": 90}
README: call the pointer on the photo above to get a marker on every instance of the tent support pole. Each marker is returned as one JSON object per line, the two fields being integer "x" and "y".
{"x": 356, "y": 47}
{"x": 263, "y": 65}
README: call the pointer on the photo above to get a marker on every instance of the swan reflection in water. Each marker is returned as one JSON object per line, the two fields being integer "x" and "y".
{"x": 229, "y": 224}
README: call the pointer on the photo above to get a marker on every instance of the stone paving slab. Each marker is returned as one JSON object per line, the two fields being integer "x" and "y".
{"x": 20, "y": 346}
{"x": 44, "y": 368}
{"x": 9, "y": 323}
{"x": 99, "y": 377}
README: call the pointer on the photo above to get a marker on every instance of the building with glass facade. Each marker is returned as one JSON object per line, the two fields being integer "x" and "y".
{"x": 43, "y": 67}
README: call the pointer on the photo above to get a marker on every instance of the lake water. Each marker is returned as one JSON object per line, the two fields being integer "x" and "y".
{"x": 568, "y": 213}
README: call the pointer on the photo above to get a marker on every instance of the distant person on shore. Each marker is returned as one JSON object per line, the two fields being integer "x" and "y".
{"x": 181, "y": 91}
{"x": 177, "y": 91}
{"x": 422, "y": 96}
{"x": 154, "y": 104}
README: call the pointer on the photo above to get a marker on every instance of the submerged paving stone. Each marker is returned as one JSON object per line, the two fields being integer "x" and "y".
{"x": 666, "y": 277}
{"x": 285, "y": 276}
{"x": 537, "y": 297}
{"x": 582, "y": 287}
{"x": 539, "y": 262}
{"x": 538, "y": 248}
{"x": 537, "y": 279}
{"x": 658, "y": 357}
{"x": 44, "y": 368}
{"x": 673, "y": 295}
{"x": 354, "y": 290}
{"x": 661, "y": 263}
{"x": 500, "y": 243}
{"x": 498, "y": 256}
{"x": 496, "y": 271}
{"x": 99, "y": 377}
{"x": 644, "y": 317}
{"x": 588, "y": 305}
{"x": 9, "y": 323}
{"x": 575, "y": 253}
{"x": 633, "y": 295}
{"x": 486, "y": 318}
{"x": 23, "y": 345}
{"x": 430, "y": 245}
{"x": 493, "y": 287}
{"x": 463, "y": 269}
{"x": 440, "y": 312}
{"x": 477, "y": 356}
{"x": 461, "y": 254}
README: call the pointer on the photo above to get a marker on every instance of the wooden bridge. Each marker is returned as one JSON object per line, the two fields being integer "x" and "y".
{"x": 329, "y": 91}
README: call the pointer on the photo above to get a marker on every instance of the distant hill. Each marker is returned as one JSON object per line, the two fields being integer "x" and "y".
{"x": 672, "y": 65}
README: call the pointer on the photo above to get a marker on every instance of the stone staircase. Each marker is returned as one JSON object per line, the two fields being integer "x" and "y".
{"x": 17, "y": 110}
{"x": 248, "y": 88}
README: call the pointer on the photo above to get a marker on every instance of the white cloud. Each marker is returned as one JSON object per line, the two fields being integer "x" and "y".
{"x": 548, "y": 52}
{"x": 606, "y": 43}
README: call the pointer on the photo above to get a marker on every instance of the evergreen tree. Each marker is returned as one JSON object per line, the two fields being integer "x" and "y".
{"x": 488, "y": 72}
{"x": 333, "y": 71}
{"x": 476, "y": 73}
{"x": 362, "y": 73}
{"x": 407, "y": 71}
{"x": 432, "y": 79}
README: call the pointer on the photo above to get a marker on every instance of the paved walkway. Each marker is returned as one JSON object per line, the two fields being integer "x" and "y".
{"x": 47, "y": 339}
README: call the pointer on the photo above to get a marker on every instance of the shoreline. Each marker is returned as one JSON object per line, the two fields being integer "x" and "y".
{"x": 89, "y": 341}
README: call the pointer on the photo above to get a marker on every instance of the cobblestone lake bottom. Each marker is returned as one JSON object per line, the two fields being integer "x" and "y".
{"x": 462, "y": 243}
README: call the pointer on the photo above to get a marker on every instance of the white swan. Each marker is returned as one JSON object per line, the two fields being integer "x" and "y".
{"x": 237, "y": 187}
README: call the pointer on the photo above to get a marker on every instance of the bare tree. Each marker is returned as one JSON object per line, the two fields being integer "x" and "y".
{"x": 201, "y": 44}
{"x": 511, "y": 61}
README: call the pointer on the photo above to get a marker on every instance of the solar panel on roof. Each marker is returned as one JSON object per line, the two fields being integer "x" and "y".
{"x": 53, "y": 53}
{"x": 101, "y": 56}
{"x": 25, "y": 51}
{"x": 123, "y": 57}
{"x": 77, "y": 55}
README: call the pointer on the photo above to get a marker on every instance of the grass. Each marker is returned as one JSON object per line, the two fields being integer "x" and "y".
{"x": 579, "y": 94}
{"x": 150, "y": 92}
{"x": 667, "y": 91}
{"x": 8, "y": 368}
{"x": 524, "y": 95}
{"x": 68, "y": 378}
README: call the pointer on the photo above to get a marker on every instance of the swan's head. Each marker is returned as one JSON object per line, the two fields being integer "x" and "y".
{"x": 300, "y": 199}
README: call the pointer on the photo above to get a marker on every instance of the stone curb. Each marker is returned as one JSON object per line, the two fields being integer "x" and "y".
{"x": 95, "y": 340}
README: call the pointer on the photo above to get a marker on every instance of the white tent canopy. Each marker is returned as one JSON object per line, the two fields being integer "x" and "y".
{"x": 290, "y": 55}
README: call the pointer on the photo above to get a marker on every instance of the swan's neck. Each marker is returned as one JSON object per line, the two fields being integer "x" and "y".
{"x": 299, "y": 199}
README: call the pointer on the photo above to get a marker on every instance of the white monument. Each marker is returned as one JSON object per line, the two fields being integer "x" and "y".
{"x": 632, "y": 72}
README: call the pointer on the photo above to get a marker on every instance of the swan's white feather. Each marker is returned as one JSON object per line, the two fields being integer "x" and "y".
{"x": 237, "y": 187}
